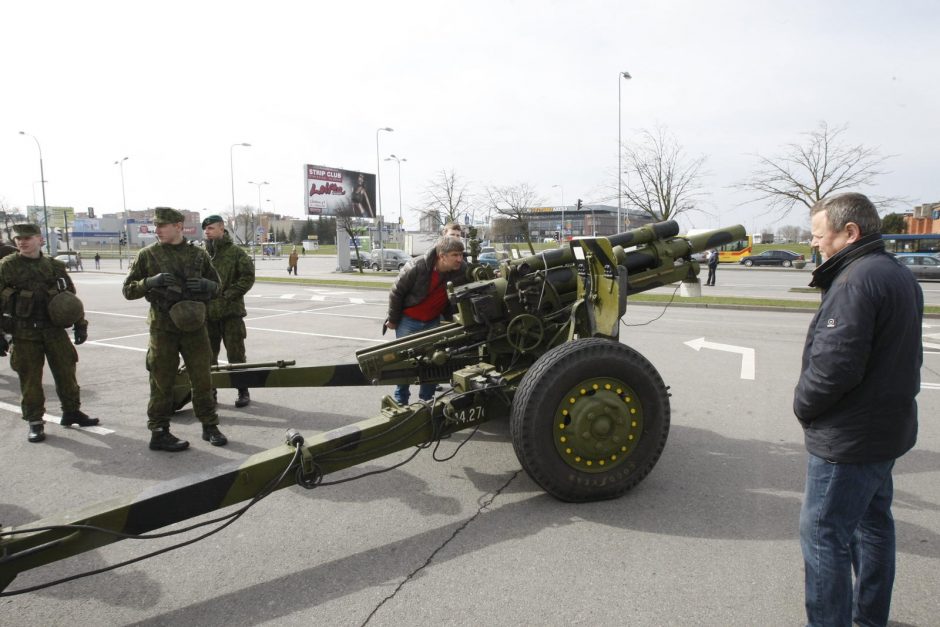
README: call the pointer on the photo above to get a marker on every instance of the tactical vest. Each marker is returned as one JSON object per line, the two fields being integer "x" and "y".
{"x": 26, "y": 301}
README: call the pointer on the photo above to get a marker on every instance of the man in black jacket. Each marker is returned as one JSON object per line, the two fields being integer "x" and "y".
{"x": 418, "y": 299}
{"x": 855, "y": 401}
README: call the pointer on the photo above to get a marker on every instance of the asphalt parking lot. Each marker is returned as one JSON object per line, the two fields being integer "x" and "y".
{"x": 709, "y": 538}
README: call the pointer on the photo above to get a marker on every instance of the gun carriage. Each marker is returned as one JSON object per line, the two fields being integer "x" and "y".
{"x": 537, "y": 345}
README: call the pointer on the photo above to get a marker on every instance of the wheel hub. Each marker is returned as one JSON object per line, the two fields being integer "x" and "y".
{"x": 597, "y": 424}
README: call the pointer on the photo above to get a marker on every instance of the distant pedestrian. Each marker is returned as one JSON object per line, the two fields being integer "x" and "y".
{"x": 855, "y": 400}
{"x": 97, "y": 261}
{"x": 292, "y": 262}
{"x": 78, "y": 262}
{"x": 712, "y": 261}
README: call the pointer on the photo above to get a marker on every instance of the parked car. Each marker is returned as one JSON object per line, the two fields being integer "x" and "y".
{"x": 924, "y": 267}
{"x": 391, "y": 259}
{"x": 71, "y": 260}
{"x": 364, "y": 260}
{"x": 492, "y": 259}
{"x": 784, "y": 258}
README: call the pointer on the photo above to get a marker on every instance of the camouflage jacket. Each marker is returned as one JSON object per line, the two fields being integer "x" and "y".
{"x": 237, "y": 272}
{"x": 183, "y": 261}
{"x": 26, "y": 285}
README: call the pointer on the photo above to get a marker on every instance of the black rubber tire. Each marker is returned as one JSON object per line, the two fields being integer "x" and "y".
{"x": 748, "y": 263}
{"x": 400, "y": 266}
{"x": 375, "y": 267}
{"x": 541, "y": 396}
{"x": 787, "y": 263}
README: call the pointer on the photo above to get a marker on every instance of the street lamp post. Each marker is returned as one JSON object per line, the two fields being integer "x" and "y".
{"x": 253, "y": 253}
{"x": 627, "y": 76}
{"x": 398, "y": 160}
{"x": 231, "y": 166}
{"x": 127, "y": 235}
{"x": 42, "y": 178}
{"x": 562, "y": 188}
{"x": 378, "y": 190}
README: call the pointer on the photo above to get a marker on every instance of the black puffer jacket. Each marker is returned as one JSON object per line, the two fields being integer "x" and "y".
{"x": 411, "y": 286}
{"x": 862, "y": 358}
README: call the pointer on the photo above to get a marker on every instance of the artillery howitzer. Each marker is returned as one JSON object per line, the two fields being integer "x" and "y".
{"x": 588, "y": 416}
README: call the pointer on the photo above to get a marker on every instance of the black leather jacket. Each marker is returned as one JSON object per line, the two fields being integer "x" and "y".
{"x": 411, "y": 286}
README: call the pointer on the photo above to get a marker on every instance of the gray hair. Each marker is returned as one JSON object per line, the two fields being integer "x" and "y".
{"x": 448, "y": 244}
{"x": 851, "y": 207}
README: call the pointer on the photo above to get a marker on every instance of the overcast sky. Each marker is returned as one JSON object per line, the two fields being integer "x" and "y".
{"x": 501, "y": 92}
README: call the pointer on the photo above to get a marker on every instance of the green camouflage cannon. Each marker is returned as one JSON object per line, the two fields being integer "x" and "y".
{"x": 539, "y": 345}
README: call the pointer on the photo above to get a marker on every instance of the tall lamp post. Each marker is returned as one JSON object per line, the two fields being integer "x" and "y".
{"x": 398, "y": 160}
{"x": 127, "y": 237}
{"x": 253, "y": 253}
{"x": 231, "y": 166}
{"x": 562, "y": 188}
{"x": 42, "y": 178}
{"x": 627, "y": 76}
{"x": 378, "y": 190}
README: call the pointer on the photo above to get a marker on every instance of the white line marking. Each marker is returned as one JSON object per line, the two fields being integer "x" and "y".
{"x": 111, "y": 313}
{"x": 56, "y": 420}
{"x": 747, "y": 354}
{"x": 127, "y": 348}
{"x": 335, "y": 337}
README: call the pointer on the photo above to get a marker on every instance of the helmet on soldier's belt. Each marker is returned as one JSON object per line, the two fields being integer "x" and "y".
{"x": 65, "y": 309}
{"x": 188, "y": 315}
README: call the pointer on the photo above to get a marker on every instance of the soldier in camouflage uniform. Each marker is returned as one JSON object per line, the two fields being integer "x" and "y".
{"x": 227, "y": 310}
{"x": 178, "y": 279}
{"x": 28, "y": 282}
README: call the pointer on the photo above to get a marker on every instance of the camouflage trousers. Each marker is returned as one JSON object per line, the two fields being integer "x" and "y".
{"x": 28, "y": 358}
{"x": 232, "y": 332}
{"x": 163, "y": 360}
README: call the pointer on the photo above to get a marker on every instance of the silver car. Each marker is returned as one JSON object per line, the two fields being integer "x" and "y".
{"x": 924, "y": 267}
{"x": 392, "y": 259}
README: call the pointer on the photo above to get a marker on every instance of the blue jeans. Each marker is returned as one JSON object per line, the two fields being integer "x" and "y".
{"x": 407, "y": 326}
{"x": 846, "y": 526}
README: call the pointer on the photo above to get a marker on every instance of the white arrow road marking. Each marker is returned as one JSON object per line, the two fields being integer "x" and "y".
{"x": 57, "y": 420}
{"x": 747, "y": 354}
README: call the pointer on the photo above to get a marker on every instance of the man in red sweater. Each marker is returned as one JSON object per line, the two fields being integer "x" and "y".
{"x": 418, "y": 300}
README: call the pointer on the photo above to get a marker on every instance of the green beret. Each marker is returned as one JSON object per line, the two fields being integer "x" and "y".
{"x": 212, "y": 220}
{"x": 165, "y": 215}
{"x": 26, "y": 230}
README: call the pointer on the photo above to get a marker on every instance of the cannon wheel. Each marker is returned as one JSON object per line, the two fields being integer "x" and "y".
{"x": 590, "y": 420}
{"x": 181, "y": 396}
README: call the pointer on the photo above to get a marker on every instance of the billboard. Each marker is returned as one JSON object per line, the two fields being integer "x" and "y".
{"x": 332, "y": 190}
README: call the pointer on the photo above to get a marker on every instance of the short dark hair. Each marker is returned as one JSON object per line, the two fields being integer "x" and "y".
{"x": 448, "y": 244}
{"x": 851, "y": 207}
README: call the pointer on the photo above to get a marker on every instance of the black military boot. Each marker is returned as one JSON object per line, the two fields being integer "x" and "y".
{"x": 37, "y": 432}
{"x": 162, "y": 440}
{"x": 213, "y": 436}
{"x": 79, "y": 418}
{"x": 243, "y": 398}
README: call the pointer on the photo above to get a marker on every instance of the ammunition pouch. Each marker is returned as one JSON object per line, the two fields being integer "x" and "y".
{"x": 188, "y": 315}
{"x": 8, "y": 300}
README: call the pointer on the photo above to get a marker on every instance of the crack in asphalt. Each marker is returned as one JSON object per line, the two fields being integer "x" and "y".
{"x": 430, "y": 558}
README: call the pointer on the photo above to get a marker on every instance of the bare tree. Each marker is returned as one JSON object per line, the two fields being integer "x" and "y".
{"x": 447, "y": 198}
{"x": 822, "y": 165}
{"x": 515, "y": 202}
{"x": 790, "y": 233}
{"x": 660, "y": 179}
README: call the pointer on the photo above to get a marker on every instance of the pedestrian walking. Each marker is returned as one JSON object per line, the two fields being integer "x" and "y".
{"x": 712, "y": 261}
{"x": 292, "y": 262}
{"x": 97, "y": 261}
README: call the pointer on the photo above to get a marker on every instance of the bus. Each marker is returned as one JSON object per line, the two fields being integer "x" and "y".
{"x": 733, "y": 252}
{"x": 920, "y": 243}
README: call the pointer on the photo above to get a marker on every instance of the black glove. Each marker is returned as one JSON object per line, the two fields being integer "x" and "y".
{"x": 201, "y": 286}
{"x": 163, "y": 279}
{"x": 4, "y": 346}
{"x": 81, "y": 334}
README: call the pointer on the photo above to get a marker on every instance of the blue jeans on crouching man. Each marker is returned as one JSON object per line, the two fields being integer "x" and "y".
{"x": 407, "y": 326}
{"x": 846, "y": 526}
